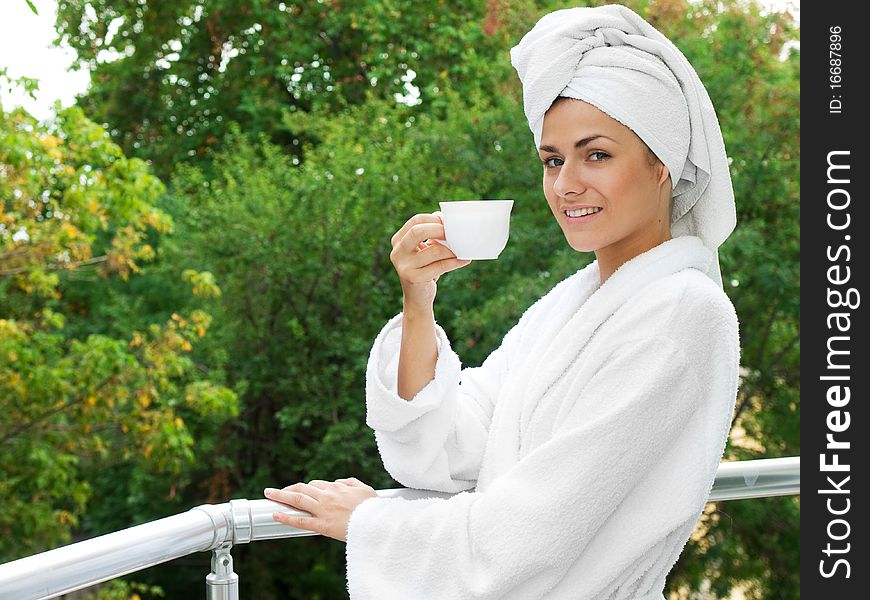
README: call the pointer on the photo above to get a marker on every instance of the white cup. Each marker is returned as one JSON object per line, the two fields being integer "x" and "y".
{"x": 476, "y": 229}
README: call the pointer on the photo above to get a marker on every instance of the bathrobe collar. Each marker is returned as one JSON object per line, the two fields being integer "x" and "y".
{"x": 595, "y": 303}
{"x": 564, "y": 329}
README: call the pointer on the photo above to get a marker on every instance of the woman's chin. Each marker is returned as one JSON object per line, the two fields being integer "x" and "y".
{"x": 582, "y": 245}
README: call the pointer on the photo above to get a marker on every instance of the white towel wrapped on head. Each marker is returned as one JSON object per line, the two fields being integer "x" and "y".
{"x": 611, "y": 58}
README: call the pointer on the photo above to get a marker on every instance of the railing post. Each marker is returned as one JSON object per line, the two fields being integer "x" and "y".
{"x": 222, "y": 583}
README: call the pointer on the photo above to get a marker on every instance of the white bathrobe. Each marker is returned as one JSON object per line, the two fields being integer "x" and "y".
{"x": 584, "y": 447}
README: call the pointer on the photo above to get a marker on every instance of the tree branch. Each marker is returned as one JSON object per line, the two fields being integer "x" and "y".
{"x": 774, "y": 363}
{"x": 764, "y": 338}
{"x": 22, "y": 428}
{"x": 66, "y": 267}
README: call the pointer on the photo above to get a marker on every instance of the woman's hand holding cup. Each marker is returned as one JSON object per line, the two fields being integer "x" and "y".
{"x": 419, "y": 259}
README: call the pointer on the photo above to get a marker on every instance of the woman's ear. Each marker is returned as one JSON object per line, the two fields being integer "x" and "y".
{"x": 663, "y": 173}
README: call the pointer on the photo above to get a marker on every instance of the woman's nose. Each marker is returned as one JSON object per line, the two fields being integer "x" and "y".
{"x": 570, "y": 181}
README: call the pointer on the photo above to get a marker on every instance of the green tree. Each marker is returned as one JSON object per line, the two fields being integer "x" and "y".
{"x": 74, "y": 207}
{"x": 170, "y": 76}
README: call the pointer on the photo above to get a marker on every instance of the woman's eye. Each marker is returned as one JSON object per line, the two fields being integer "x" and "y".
{"x": 595, "y": 156}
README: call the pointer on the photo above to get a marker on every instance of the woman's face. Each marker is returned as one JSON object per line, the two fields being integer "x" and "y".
{"x": 610, "y": 175}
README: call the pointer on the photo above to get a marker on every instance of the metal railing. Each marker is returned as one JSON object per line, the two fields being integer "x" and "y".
{"x": 217, "y": 527}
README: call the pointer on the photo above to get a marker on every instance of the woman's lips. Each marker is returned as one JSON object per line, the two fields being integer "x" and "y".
{"x": 583, "y": 219}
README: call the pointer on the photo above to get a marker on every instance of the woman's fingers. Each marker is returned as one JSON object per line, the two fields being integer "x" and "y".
{"x": 415, "y": 220}
{"x": 298, "y": 521}
{"x": 433, "y": 253}
{"x": 300, "y": 496}
{"x": 351, "y": 481}
{"x": 416, "y": 234}
{"x": 436, "y": 270}
{"x": 293, "y": 498}
{"x": 329, "y": 512}
{"x": 419, "y": 249}
{"x": 305, "y": 488}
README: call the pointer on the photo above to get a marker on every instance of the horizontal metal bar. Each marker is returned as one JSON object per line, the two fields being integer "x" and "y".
{"x": 79, "y": 565}
{"x": 86, "y": 563}
{"x": 757, "y": 478}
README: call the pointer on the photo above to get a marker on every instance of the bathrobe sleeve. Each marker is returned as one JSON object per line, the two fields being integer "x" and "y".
{"x": 520, "y": 536}
{"x": 436, "y": 440}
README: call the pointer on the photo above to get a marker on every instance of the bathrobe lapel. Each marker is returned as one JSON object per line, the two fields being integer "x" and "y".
{"x": 560, "y": 333}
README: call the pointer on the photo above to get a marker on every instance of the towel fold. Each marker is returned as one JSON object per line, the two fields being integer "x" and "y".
{"x": 611, "y": 58}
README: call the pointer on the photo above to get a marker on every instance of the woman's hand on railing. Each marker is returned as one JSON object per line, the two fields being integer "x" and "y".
{"x": 329, "y": 504}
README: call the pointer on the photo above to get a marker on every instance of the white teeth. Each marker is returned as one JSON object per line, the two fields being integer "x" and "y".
{"x": 582, "y": 211}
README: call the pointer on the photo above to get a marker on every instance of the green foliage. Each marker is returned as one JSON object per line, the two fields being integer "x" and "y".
{"x": 118, "y": 589}
{"x": 70, "y": 194}
{"x": 73, "y": 205}
{"x": 170, "y": 76}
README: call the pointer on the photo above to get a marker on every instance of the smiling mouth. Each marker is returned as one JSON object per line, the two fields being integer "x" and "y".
{"x": 583, "y": 211}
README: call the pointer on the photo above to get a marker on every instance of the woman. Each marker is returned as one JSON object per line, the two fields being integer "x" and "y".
{"x": 586, "y": 445}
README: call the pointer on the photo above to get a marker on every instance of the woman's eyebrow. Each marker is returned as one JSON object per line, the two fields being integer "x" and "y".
{"x": 578, "y": 144}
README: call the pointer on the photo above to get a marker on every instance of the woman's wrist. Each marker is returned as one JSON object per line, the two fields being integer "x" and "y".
{"x": 418, "y": 312}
